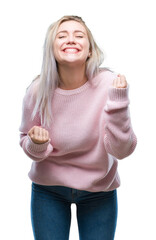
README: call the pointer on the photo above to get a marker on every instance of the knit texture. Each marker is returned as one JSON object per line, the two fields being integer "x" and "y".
{"x": 91, "y": 130}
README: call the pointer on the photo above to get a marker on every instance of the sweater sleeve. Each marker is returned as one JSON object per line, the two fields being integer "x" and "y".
{"x": 119, "y": 139}
{"x": 37, "y": 152}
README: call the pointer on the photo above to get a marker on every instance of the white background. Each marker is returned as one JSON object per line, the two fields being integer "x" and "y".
{"x": 125, "y": 30}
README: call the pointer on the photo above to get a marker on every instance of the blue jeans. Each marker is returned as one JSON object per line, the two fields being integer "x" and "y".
{"x": 51, "y": 213}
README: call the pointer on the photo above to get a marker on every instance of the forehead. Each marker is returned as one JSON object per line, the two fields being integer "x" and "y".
{"x": 71, "y": 25}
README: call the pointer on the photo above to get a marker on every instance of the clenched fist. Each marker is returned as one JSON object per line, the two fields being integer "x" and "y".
{"x": 38, "y": 135}
{"x": 120, "y": 82}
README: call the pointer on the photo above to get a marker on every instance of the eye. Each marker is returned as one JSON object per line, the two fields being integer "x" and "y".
{"x": 79, "y": 36}
{"x": 61, "y": 37}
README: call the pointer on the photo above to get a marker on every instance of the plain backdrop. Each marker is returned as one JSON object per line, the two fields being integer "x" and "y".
{"x": 125, "y": 30}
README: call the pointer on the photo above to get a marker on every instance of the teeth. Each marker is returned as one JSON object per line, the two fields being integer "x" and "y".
{"x": 71, "y": 50}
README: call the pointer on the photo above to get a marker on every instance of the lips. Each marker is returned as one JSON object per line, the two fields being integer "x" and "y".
{"x": 71, "y": 50}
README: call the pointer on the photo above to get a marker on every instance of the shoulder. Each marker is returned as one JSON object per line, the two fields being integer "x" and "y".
{"x": 31, "y": 92}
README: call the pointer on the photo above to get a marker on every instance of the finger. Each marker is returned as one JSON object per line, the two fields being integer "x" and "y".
{"x": 31, "y": 131}
{"x": 37, "y": 136}
{"x": 46, "y": 135}
{"x": 123, "y": 81}
{"x": 42, "y": 135}
{"x": 117, "y": 82}
{"x": 36, "y": 131}
{"x": 31, "y": 135}
{"x": 39, "y": 131}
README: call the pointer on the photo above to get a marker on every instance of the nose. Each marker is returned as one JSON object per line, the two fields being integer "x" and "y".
{"x": 70, "y": 39}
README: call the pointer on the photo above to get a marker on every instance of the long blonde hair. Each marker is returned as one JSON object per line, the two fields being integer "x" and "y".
{"x": 48, "y": 80}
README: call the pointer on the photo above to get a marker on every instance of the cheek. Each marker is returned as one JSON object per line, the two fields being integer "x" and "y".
{"x": 87, "y": 47}
{"x": 55, "y": 50}
{"x": 57, "y": 46}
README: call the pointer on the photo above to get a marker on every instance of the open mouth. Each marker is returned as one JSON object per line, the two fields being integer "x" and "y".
{"x": 71, "y": 50}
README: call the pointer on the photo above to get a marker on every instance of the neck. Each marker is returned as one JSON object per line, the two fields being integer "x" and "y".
{"x": 72, "y": 77}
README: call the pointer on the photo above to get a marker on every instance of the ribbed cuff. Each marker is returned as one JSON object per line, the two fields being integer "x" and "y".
{"x": 34, "y": 147}
{"x": 118, "y": 94}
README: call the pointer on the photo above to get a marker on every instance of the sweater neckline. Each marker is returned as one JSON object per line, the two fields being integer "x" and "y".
{"x": 72, "y": 91}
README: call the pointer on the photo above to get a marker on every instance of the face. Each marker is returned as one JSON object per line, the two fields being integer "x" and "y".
{"x": 71, "y": 45}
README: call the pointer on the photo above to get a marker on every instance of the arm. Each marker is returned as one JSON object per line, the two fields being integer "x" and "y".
{"x": 36, "y": 148}
{"x": 120, "y": 140}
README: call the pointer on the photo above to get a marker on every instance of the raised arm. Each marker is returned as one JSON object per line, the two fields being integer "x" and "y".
{"x": 33, "y": 138}
{"x": 119, "y": 139}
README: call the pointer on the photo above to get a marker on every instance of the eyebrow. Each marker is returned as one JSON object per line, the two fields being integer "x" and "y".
{"x": 74, "y": 32}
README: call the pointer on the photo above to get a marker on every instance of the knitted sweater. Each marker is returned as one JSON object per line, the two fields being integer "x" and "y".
{"x": 91, "y": 130}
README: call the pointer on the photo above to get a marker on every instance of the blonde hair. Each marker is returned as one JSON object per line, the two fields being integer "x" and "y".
{"x": 48, "y": 80}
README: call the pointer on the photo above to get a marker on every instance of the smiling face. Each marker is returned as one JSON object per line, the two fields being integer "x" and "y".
{"x": 71, "y": 45}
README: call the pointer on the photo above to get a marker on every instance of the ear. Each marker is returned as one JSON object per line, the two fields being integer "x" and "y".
{"x": 89, "y": 54}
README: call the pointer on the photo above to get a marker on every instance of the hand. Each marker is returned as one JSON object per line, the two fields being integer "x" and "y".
{"x": 120, "y": 82}
{"x": 38, "y": 135}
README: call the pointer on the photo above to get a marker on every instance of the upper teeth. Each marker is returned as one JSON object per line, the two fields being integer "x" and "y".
{"x": 71, "y": 50}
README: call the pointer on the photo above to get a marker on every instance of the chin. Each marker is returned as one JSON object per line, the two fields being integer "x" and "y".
{"x": 73, "y": 60}
{"x": 74, "y": 63}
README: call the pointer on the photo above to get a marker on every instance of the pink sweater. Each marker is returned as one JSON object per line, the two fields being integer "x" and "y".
{"x": 90, "y": 131}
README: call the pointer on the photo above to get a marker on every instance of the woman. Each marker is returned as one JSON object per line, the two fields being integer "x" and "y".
{"x": 75, "y": 125}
